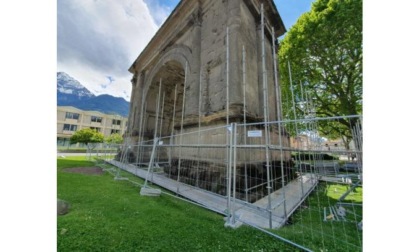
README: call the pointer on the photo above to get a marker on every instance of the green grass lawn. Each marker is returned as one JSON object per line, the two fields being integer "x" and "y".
{"x": 110, "y": 215}
{"x": 308, "y": 229}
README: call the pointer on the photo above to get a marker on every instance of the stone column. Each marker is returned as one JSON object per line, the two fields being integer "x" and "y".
{"x": 193, "y": 81}
{"x": 134, "y": 85}
{"x": 260, "y": 71}
{"x": 235, "y": 52}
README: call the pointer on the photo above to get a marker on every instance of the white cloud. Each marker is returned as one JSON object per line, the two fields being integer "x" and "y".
{"x": 161, "y": 9}
{"x": 101, "y": 39}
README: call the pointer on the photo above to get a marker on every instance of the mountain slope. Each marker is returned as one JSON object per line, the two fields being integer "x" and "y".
{"x": 107, "y": 104}
{"x": 71, "y": 92}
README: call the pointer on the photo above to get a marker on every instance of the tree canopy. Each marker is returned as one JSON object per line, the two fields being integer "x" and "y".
{"x": 87, "y": 136}
{"x": 114, "y": 138}
{"x": 324, "y": 50}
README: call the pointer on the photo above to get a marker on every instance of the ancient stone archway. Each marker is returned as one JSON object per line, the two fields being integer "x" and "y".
{"x": 195, "y": 36}
{"x": 171, "y": 69}
{"x": 180, "y": 54}
{"x": 200, "y": 52}
{"x": 201, "y": 46}
{"x": 171, "y": 77}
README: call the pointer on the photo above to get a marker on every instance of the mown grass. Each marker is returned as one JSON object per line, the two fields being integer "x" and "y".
{"x": 110, "y": 215}
{"x": 308, "y": 228}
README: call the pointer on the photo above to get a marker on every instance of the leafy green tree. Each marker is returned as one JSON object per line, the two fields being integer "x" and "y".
{"x": 324, "y": 50}
{"x": 87, "y": 136}
{"x": 114, "y": 138}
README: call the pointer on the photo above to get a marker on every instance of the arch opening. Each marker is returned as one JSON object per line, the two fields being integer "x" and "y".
{"x": 172, "y": 75}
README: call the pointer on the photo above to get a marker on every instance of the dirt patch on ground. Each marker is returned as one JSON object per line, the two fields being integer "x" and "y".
{"x": 85, "y": 170}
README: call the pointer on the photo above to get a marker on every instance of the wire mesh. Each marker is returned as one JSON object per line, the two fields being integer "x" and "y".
{"x": 301, "y": 187}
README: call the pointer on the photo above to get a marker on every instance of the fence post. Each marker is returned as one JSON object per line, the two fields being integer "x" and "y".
{"x": 234, "y": 170}
{"x": 231, "y": 197}
{"x": 229, "y": 182}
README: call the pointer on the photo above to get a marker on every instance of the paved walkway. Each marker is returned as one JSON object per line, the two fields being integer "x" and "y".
{"x": 283, "y": 201}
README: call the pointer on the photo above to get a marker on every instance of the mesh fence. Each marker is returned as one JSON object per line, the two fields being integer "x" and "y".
{"x": 281, "y": 177}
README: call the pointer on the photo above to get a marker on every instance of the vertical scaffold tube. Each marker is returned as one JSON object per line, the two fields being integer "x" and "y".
{"x": 199, "y": 132}
{"x": 229, "y": 184}
{"x": 182, "y": 126}
{"x": 227, "y": 116}
{"x": 296, "y": 129}
{"x": 234, "y": 128}
{"x": 155, "y": 139}
{"x": 266, "y": 133}
{"x": 161, "y": 122}
{"x": 279, "y": 115}
{"x": 245, "y": 111}
{"x": 143, "y": 96}
{"x": 173, "y": 126}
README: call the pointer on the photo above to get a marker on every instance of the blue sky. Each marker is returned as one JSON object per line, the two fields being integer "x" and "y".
{"x": 97, "y": 41}
{"x": 289, "y": 10}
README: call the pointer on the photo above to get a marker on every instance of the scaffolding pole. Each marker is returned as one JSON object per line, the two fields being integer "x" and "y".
{"x": 161, "y": 120}
{"x": 279, "y": 115}
{"x": 296, "y": 129}
{"x": 155, "y": 140}
{"x": 173, "y": 125}
{"x": 244, "y": 119}
{"x": 234, "y": 128}
{"x": 227, "y": 75}
{"x": 304, "y": 99}
{"x": 231, "y": 219}
{"x": 140, "y": 127}
{"x": 229, "y": 179}
{"x": 199, "y": 130}
{"x": 161, "y": 114}
{"x": 142, "y": 134}
{"x": 358, "y": 139}
{"x": 264, "y": 79}
{"x": 228, "y": 153}
{"x": 182, "y": 125}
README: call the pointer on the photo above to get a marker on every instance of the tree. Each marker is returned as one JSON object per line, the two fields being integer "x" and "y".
{"x": 88, "y": 136}
{"x": 324, "y": 50}
{"x": 114, "y": 138}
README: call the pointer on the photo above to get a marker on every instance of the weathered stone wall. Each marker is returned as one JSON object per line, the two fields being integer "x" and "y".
{"x": 213, "y": 56}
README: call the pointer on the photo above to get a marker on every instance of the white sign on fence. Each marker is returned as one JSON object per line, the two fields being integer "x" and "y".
{"x": 254, "y": 133}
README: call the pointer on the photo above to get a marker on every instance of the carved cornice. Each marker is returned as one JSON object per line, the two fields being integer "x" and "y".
{"x": 197, "y": 17}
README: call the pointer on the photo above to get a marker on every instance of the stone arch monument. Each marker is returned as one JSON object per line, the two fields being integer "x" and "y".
{"x": 193, "y": 40}
{"x": 197, "y": 54}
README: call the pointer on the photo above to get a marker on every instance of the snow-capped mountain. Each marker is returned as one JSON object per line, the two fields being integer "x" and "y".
{"x": 71, "y": 92}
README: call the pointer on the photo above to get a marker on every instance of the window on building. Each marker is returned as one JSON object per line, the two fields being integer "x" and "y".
{"x": 114, "y": 131}
{"x": 116, "y": 122}
{"x": 70, "y": 115}
{"x": 96, "y": 119}
{"x": 96, "y": 128}
{"x": 70, "y": 127}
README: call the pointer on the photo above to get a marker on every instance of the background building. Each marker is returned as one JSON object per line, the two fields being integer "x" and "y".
{"x": 71, "y": 119}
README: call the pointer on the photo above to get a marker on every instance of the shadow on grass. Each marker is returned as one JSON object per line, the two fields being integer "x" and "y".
{"x": 309, "y": 227}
